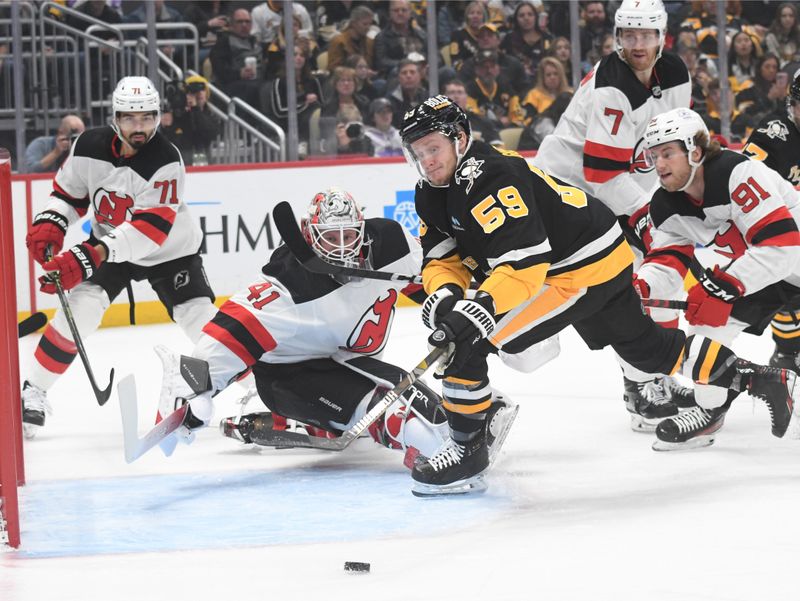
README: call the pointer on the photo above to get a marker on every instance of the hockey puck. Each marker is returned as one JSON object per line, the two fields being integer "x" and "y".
{"x": 356, "y": 567}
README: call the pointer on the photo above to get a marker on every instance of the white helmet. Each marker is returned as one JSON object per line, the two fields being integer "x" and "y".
{"x": 334, "y": 227}
{"x": 677, "y": 125}
{"x": 135, "y": 95}
{"x": 640, "y": 14}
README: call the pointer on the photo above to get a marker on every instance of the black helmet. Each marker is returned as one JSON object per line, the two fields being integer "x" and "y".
{"x": 794, "y": 96}
{"x": 437, "y": 113}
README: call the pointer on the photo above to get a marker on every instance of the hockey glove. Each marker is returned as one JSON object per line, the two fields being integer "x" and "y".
{"x": 639, "y": 227}
{"x": 47, "y": 229}
{"x": 74, "y": 265}
{"x": 466, "y": 325}
{"x": 710, "y": 301}
{"x": 439, "y": 304}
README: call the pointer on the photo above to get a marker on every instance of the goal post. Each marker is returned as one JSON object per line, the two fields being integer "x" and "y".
{"x": 12, "y": 472}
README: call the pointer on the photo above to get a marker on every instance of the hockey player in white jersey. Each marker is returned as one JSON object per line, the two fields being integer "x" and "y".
{"x": 598, "y": 146}
{"x": 709, "y": 195}
{"x": 314, "y": 342}
{"x": 129, "y": 178}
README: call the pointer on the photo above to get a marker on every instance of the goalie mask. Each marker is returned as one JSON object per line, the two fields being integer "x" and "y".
{"x": 136, "y": 95}
{"x": 334, "y": 227}
{"x": 436, "y": 114}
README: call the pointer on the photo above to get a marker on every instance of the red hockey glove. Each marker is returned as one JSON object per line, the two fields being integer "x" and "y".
{"x": 641, "y": 286}
{"x": 466, "y": 325}
{"x": 74, "y": 265}
{"x": 439, "y": 304}
{"x": 710, "y": 301}
{"x": 47, "y": 229}
{"x": 641, "y": 224}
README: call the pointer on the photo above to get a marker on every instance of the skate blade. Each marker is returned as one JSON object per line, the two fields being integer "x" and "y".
{"x": 228, "y": 427}
{"x": 695, "y": 443}
{"x": 644, "y": 424}
{"x": 502, "y": 421}
{"x": 474, "y": 485}
{"x": 29, "y": 431}
{"x": 793, "y": 431}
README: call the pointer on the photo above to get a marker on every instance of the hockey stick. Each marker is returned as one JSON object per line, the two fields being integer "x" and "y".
{"x": 665, "y": 304}
{"x": 31, "y": 323}
{"x": 101, "y": 395}
{"x": 135, "y": 447}
{"x": 279, "y": 438}
{"x": 287, "y": 226}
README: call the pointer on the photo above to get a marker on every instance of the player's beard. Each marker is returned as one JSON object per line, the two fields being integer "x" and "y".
{"x": 138, "y": 142}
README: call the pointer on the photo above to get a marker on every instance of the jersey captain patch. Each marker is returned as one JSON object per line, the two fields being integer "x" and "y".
{"x": 469, "y": 171}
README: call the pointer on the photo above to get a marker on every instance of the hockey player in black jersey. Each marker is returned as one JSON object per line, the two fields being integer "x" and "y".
{"x": 776, "y": 142}
{"x": 546, "y": 255}
{"x": 314, "y": 342}
{"x": 131, "y": 177}
{"x": 714, "y": 196}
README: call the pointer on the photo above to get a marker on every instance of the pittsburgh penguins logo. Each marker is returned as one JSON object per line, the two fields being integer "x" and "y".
{"x": 469, "y": 171}
{"x": 775, "y": 129}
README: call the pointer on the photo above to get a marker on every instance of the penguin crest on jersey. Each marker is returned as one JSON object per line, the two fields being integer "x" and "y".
{"x": 775, "y": 129}
{"x": 469, "y": 171}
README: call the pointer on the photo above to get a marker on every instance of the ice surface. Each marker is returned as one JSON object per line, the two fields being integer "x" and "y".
{"x": 579, "y": 507}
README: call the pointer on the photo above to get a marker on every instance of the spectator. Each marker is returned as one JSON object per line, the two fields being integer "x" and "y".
{"x": 767, "y": 92}
{"x": 343, "y": 86}
{"x": 276, "y": 50}
{"x": 408, "y": 92}
{"x": 238, "y": 59}
{"x": 364, "y": 84}
{"x": 596, "y": 26}
{"x": 190, "y": 124}
{"x": 543, "y": 124}
{"x": 99, "y": 60}
{"x": 482, "y": 129}
{"x": 449, "y": 14}
{"x": 551, "y": 82}
{"x": 702, "y": 20}
{"x": 351, "y": 136}
{"x": 607, "y": 46}
{"x": 741, "y": 124}
{"x": 526, "y": 42}
{"x": 268, "y": 20}
{"x": 353, "y": 39}
{"x": 511, "y": 68}
{"x": 490, "y": 94}
{"x": 742, "y": 58}
{"x": 332, "y": 17}
{"x": 384, "y": 136}
{"x": 464, "y": 41}
{"x": 164, "y": 14}
{"x": 561, "y": 49}
{"x": 46, "y": 153}
{"x": 401, "y": 37}
{"x": 210, "y": 17}
{"x": 783, "y": 38}
{"x": 309, "y": 97}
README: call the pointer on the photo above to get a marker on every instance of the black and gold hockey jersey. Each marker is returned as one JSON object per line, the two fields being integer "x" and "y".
{"x": 776, "y": 142}
{"x": 513, "y": 228}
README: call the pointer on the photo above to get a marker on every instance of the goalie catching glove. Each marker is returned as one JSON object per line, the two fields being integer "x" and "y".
{"x": 74, "y": 266}
{"x": 439, "y": 304}
{"x": 710, "y": 301}
{"x": 470, "y": 322}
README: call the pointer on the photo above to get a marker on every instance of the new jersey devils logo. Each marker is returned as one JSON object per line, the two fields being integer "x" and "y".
{"x": 110, "y": 207}
{"x": 638, "y": 163}
{"x": 369, "y": 335}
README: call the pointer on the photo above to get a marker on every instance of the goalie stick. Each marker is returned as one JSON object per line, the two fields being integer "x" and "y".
{"x": 665, "y": 304}
{"x": 101, "y": 395}
{"x": 135, "y": 447}
{"x": 279, "y": 438}
{"x": 31, "y": 323}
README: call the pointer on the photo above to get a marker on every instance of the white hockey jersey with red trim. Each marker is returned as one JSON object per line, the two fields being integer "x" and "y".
{"x": 291, "y": 314}
{"x": 748, "y": 213}
{"x": 138, "y": 209}
{"x": 598, "y": 142}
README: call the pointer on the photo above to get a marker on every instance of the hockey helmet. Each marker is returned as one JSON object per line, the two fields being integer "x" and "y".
{"x": 334, "y": 226}
{"x": 436, "y": 114}
{"x": 640, "y": 14}
{"x": 793, "y": 97}
{"x": 135, "y": 95}
{"x": 677, "y": 125}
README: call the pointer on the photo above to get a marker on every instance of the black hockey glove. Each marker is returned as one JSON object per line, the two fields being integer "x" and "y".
{"x": 439, "y": 304}
{"x": 466, "y": 325}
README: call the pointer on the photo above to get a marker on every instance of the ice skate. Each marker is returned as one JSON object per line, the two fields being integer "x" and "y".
{"x": 455, "y": 469}
{"x": 692, "y": 429}
{"x": 499, "y": 419}
{"x": 648, "y": 404}
{"x": 680, "y": 395}
{"x": 776, "y": 387}
{"x": 34, "y": 407}
{"x": 790, "y": 361}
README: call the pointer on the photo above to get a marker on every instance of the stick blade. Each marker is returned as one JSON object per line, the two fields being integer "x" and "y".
{"x": 102, "y": 396}
{"x": 31, "y": 323}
